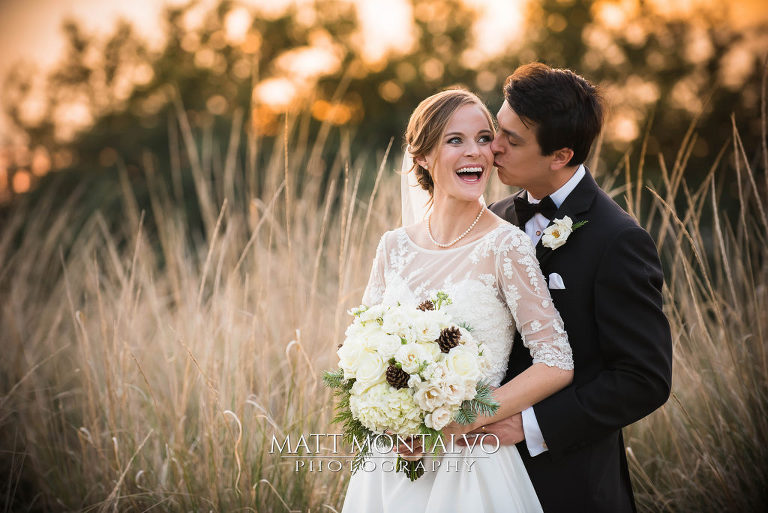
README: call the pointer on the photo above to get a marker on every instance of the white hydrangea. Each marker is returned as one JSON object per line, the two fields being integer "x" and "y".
{"x": 384, "y": 408}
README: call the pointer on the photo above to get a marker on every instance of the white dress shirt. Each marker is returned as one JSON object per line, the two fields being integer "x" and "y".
{"x": 534, "y": 228}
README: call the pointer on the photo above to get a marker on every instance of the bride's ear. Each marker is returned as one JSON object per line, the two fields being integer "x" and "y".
{"x": 422, "y": 162}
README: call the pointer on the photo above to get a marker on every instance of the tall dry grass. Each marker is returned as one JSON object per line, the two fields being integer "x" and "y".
{"x": 150, "y": 372}
{"x": 707, "y": 448}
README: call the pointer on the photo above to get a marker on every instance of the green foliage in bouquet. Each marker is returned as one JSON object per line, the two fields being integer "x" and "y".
{"x": 353, "y": 430}
{"x": 482, "y": 404}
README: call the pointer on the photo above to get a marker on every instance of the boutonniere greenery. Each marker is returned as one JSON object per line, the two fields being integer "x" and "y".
{"x": 558, "y": 232}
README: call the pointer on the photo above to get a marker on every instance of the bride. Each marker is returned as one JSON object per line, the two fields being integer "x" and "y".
{"x": 489, "y": 268}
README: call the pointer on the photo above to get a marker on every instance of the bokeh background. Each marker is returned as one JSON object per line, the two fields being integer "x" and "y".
{"x": 191, "y": 194}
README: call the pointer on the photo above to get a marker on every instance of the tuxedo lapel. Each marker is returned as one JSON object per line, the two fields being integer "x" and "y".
{"x": 511, "y": 215}
{"x": 577, "y": 203}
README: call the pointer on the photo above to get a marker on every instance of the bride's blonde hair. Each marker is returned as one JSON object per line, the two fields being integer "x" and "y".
{"x": 427, "y": 125}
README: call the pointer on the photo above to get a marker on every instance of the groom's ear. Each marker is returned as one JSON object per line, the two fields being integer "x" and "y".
{"x": 560, "y": 158}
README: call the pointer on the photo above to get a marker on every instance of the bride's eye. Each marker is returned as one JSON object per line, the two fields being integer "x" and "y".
{"x": 484, "y": 138}
{"x": 454, "y": 140}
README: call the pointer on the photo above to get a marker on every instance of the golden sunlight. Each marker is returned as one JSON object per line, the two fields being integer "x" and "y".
{"x": 278, "y": 93}
{"x": 309, "y": 62}
{"x": 386, "y": 26}
{"x": 21, "y": 181}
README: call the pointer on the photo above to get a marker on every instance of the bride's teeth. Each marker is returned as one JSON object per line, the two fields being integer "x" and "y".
{"x": 470, "y": 170}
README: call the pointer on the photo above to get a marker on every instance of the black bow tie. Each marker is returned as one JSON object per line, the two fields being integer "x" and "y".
{"x": 525, "y": 210}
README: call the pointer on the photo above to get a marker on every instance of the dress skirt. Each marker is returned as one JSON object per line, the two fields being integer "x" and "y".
{"x": 462, "y": 481}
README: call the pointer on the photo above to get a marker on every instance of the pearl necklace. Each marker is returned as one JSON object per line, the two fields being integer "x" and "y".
{"x": 457, "y": 239}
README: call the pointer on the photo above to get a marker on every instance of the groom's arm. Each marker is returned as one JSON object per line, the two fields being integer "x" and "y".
{"x": 635, "y": 345}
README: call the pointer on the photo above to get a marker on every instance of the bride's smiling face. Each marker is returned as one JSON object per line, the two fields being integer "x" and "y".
{"x": 461, "y": 162}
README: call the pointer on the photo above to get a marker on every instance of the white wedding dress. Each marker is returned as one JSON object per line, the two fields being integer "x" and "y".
{"x": 496, "y": 287}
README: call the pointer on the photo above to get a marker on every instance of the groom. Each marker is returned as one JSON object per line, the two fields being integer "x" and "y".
{"x": 605, "y": 281}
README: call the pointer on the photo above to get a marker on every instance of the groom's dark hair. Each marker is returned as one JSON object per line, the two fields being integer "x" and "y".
{"x": 566, "y": 109}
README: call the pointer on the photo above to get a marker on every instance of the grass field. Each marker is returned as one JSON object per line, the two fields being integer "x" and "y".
{"x": 144, "y": 369}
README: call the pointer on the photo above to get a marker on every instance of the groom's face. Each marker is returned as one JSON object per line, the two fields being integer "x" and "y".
{"x": 517, "y": 154}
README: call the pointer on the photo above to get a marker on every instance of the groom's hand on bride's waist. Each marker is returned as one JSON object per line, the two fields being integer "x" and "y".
{"x": 509, "y": 431}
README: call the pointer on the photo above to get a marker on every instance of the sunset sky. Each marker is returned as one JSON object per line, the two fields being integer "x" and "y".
{"x": 30, "y": 33}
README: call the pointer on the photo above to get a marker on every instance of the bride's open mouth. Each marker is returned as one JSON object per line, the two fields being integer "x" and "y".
{"x": 470, "y": 174}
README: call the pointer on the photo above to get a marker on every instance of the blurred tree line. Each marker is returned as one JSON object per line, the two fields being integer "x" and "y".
{"x": 305, "y": 66}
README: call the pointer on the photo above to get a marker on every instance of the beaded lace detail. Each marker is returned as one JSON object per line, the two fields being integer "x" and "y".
{"x": 495, "y": 284}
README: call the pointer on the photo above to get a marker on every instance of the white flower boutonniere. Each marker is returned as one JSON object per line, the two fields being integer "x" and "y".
{"x": 556, "y": 234}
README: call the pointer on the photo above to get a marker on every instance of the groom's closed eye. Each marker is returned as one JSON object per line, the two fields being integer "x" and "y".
{"x": 512, "y": 137}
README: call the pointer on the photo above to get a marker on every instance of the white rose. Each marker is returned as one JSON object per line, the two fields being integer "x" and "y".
{"x": 410, "y": 357}
{"x": 463, "y": 363}
{"x": 431, "y": 351}
{"x": 362, "y": 330}
{"x": 467, "y": 339}
{"x": 436, "y": 371}
{"x": 455, "y": 390}
{"x": 483, "y": 360}
{"x": 438, "y": 419}
{"x": 386, "y": 345}
{"x": 470, "y": 390}
{"x": 425, "y": 327}
{"x": 349, "y": 356}
{"x": 414, "y": 381}
{"x": 439, "y": 318}
{"x": 396, "y": 321}
{"x": 556, "y": 234}
{"x": 429, "y": 396}
{"x": 370, "y": 368}
{"x": 372, "y": 314}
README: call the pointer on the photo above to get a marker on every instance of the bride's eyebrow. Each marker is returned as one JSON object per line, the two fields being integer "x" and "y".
{"x": 453, "y": 133}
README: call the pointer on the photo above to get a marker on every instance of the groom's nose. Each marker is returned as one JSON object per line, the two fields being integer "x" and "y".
{"x": 495, "y": 146}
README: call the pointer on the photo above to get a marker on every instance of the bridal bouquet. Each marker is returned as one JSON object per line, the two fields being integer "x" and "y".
{"x": 408, "y": 370}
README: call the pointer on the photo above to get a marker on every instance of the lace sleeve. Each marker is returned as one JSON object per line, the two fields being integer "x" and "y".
{"x": 374, "y": 291}
{"x": 525, "y": 291}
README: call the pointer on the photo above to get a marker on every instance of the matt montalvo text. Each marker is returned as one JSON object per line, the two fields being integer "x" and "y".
{"x": 317, "y": 452}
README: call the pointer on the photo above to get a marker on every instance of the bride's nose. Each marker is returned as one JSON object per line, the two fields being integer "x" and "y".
{"x": 472, "y": 149}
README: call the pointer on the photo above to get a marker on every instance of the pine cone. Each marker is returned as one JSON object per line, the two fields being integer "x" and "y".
{"x": 449, "y": 338}
{"x": 396, "y": 377}
{"x": 426, "y": 305}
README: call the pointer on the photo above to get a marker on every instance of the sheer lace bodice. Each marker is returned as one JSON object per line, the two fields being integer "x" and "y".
{"x": 495, "y": 284}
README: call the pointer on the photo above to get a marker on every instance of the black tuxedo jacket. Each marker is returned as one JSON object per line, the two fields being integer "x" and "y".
{"x": 622, "y": 351}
